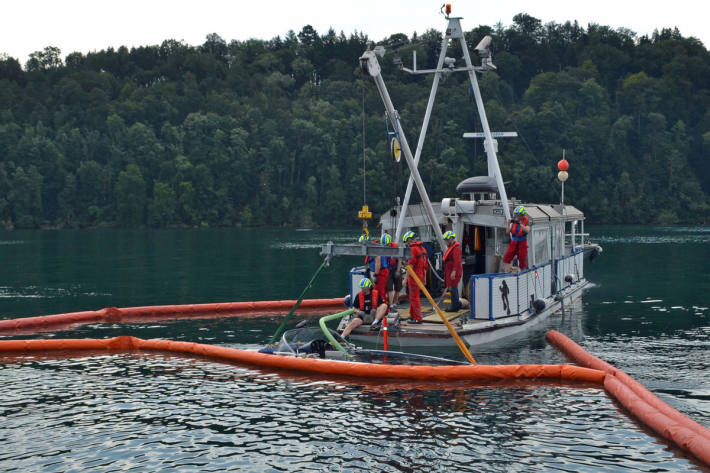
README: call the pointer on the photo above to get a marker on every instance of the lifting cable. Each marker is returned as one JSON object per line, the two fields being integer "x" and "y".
{"x": 364, "y": 182}
{"x": 364, "y": 213}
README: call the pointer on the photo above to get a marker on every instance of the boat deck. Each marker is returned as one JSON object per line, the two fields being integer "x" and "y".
{"x": 398, "y": 322}
{"x": 474, "y": 331}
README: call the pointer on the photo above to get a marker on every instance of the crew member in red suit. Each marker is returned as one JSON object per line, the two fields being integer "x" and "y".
{"x": 518, "y": 230}
{"x": 453, "y": 270}
{"x": 418, "y": 262}
{"x": 394, "y": 281}
{"x": 382, "y": 269}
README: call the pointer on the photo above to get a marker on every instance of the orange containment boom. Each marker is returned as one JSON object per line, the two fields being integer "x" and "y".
{"x": 642, "y": 403}
{"x": 313, "y": 365}
{"x": 224, "y": 309}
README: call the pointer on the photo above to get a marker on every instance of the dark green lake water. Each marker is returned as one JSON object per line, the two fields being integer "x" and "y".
{"x": 647, "y": 313}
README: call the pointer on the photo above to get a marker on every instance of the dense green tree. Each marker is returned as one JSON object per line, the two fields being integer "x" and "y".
{"x": 67, "y": 202}
{"x": 163, "y": 206}
{"x": 130, "y": 196}
{"x": 92, "y": 196}
{"x": 48, "y": 58}
{"x": 271, "y": 132}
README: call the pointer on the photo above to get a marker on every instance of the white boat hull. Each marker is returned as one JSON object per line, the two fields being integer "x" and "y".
{"x": 473, "y": 332}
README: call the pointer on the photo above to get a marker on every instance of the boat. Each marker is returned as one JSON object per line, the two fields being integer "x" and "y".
{"x": 500, "y": 304}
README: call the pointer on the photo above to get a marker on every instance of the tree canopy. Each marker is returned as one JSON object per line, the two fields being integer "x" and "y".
{"x": 270, "y": 132}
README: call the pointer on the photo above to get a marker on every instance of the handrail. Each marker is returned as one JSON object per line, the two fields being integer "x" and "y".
{"x": 326, "y": 331}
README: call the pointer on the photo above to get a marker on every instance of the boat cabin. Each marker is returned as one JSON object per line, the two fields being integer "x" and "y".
{"x": 555, "y": 245}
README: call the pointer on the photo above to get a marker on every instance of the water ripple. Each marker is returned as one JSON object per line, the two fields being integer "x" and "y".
{"x": 159, "y": 413}
{"x": 34, "y": 292}
{"x": 658, "y": 235}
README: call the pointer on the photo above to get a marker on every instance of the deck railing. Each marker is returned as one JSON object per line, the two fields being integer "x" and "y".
{"x": 500, "y": 295}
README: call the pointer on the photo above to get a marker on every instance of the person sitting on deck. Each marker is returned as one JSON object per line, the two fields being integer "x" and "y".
{"x": 418, "y": 262}
{"x": 518, "y": 230}
{"x": 453, "y": 270}
{"x": 370, "y": 305}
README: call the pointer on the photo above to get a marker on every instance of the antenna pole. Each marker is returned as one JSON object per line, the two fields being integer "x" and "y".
{"x": 489, "y": 143}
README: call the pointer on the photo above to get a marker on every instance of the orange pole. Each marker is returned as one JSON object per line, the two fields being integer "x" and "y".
{"x": 384, "y": 330}
{"x": 453, "y": 333}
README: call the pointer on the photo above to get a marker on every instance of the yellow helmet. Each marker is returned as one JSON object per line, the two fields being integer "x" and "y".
{"x": 365, "y": 284}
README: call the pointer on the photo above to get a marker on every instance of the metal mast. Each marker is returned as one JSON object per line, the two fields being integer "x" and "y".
{"x": 370, "y": 65}
{"x": 454, "y": 31}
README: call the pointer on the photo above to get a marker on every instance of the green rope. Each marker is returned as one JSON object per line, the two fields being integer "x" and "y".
{"x": 281, "y": 328}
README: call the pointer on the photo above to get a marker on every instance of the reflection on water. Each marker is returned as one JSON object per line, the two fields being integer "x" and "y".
{"x": 156, "y": 413}
{"x": 647, "y": 313}
{"x": 643, "y": 235}
{"x": 41, "y": 292}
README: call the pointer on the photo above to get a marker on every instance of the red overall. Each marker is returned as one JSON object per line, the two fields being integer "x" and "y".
{"x": 418, "y": 262}
{"x": 452, "y": 261}
{"x": 381, "y": 283}
{"x": 518, "y": 244}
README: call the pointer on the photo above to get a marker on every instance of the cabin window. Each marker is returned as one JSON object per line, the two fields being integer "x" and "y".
{"x": 559, "y": 240}
{"x": 574, "y": 233}
{"x": 541, "y": 242}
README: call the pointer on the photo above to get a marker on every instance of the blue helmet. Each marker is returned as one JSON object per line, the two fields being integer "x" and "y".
{"x": 386, "y": 239}
{"x": 449, "y": 234}
{"x": 365, "y": 284}
{"x": 407, "y": 236}
{"x": 520, "y": 210}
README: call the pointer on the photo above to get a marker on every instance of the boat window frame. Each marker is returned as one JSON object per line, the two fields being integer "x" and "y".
{"x": 537, "y": 258}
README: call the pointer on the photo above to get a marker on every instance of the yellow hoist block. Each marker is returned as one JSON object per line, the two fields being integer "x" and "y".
{"x": 364, "y": 212}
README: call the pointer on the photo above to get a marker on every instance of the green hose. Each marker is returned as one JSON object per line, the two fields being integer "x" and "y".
{"x": 327, "y": 333}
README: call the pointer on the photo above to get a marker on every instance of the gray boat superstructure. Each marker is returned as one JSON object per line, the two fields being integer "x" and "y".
{"x": 500, "y": 304}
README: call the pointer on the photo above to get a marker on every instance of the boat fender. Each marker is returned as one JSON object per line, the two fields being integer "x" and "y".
{"x": 569, "y": 278}
{"x": 538, "y": 305}
{"x": 346, "y": 300}
{"x": 595, "y": 253}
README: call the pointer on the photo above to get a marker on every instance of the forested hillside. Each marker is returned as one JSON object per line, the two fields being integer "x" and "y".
{"x": 270, "y": 132}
